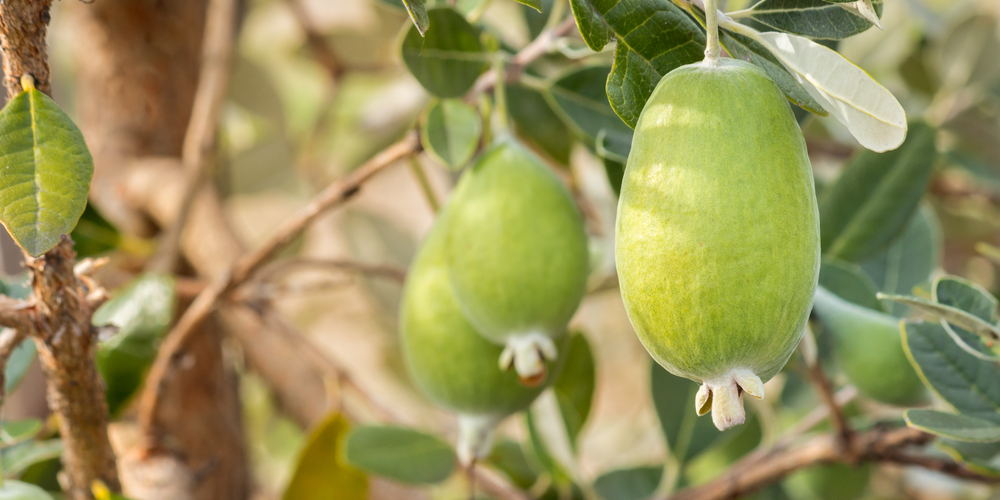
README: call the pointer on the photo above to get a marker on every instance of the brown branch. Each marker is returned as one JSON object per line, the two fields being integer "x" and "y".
{"x": 321, "y": 51}
{"x": 271, "y": 272}
{"x": 537, "y": 48}
{"x": 334, "y": 195}
{"x": 844, "y": 433}
{"x": 66, "y": 343}
{"x": 60, "y": 319}
{"x": 202, "y": 131}
{"x": 881, "y": 444}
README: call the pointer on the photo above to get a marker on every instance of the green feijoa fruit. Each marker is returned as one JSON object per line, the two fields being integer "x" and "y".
{"x": 869, "y": 348}
{"x": 445, "y": 356}
{"x": 717, "y": 238}
{"x": 518, "y": 255}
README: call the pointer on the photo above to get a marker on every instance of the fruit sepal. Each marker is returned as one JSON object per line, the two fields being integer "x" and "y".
{"x": 527, "y": 353}
{"x": 723, "y": 396}
{"x": 475, "y": 437}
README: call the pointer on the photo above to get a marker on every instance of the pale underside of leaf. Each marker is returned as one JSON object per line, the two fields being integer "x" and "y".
{"x": 869, "y": 111}
{"x": 955, "y": 316}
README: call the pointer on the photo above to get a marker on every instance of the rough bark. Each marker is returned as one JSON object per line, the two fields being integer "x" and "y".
{"x": 66, "y": 343}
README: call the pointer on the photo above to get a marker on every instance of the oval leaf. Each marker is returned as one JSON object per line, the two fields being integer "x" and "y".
{"x": 970, "y": 385}
{"x": 23, "y": 455}
{"x": 16, "y": 490}
{"x": 46, "y": 171}
{"x": 142, "y": 311}
{"x": 400, "y": 454}
{"x": 875, "y": 198}
{"x": 450, "y": 131}
{"x": 674, "y": 400}
{"x": 574, "y": 388}
{"x": 594, "y": 30}
{"x": 418, "y": 14}
{"x": 817, "y": 18}
{"x": 949, "y": 425}
{"x": 955, "y": 316}
{"x": 983, "y": 458}
{"x": 17, "y": 431}
{"x": 321, "y": 471}
{"x": 869, "y": 111}
{"x": 849, "y": 282}
{"x": 910, "y": 260}
{"x": 538, "y": 124}
{"x": 579, "y": 97}
{"x": 449, "y": 57}
{"x": 637, "y": 483}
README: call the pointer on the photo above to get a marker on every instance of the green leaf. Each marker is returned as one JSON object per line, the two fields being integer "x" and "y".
{"x": 16, "y": 490}
{"x": 321, "y": 470}
{"x": 541, "y": 454}
{"x": 534, "y": 4}
{"x": 16, "y": 458}
{"x": 967, "y": 296}
{"x": 17, "y": 431}
{"x": 949, "y": 425}
{"x": 849, "y": 282}
{"x": 869, "y": 111}
{"x": 968, "y": 384}
{"x": 579, "y": 97}
{"x": 142, "y": 311}
{"x": 983, "y": 458}
{"x": 509, "y": 457}
{"x": 450, "y": 132}
{"x": 955, "y": 316}
{"x": 616, "y": 172}
{"x": 910, "y": 260}
{"x": 875, "y": 198}
{"x": 18, "y": 364}
{"x": 400, "y": 454}
{"x": 418, "y": 14}
{"x": 574, "y": 388}
{"x": 538, "y": 123}
{"x": 652, "y": 38}
{"x": 687, "y": 435}
{"x": 595, "y": 32}
{"x": 46, "y": 171}
{"x": 638, "y": 483}
{"x": 94, "y": 234}
{"x": 812, "y": 18}
{"x": 449, "y": 57}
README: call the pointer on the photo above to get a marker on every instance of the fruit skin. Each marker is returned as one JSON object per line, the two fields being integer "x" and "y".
{"x": 869, "y": 349}
{"x": 717, "y": 238}
{"x": 445, "y": 356}
{"x": 518, "y": 253}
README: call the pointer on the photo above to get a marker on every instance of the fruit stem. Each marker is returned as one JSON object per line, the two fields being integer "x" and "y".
{"x": 475, "y": 438}
{"x": 712, "y": 49}
{"x": 500, "y": 95}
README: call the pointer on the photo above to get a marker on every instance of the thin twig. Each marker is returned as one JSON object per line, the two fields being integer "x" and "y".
{"x": 845, "y": 434}
{"x": 537, "y": 48}
{"x": 334, "y": 195}
{"x": 280, "y": 267}
{"x": 425, "y": 184}
{"x": 202, "y": 131}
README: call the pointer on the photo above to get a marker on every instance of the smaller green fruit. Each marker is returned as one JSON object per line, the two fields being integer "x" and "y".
{"x": 830, "y": 482}
{"x": 447, "y": 358}
{"x": 518, "y": 255}
{"x": 869, "y": 349}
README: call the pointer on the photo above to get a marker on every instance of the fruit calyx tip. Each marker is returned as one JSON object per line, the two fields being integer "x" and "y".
{"x": 475, "y": 438}
{"x": 724, "y": 397}
{"x": 527, "y": 354}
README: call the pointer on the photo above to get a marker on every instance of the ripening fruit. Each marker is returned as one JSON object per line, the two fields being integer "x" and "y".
{"x": 518, "y": 255}
{"x": 717, "y": 239}
{"x": 447, "y": 359}
{"x": 869, "y": 349}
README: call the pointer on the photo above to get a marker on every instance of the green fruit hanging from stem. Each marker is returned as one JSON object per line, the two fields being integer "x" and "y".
{"x": 518, "y": 255}
{"x": 717, "y": 237}
{"x": 869, "y": 349}
{"x": 448, "y": 359}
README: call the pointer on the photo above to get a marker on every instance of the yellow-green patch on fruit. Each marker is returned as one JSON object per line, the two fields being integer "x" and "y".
{"x": 518, "y": 254}
{"x": 717, "y": 238}
{"x": 447, "y": 359}
{"x": 869, "y": 348}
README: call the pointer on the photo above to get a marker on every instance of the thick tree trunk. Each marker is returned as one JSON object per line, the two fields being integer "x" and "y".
{"x": 139, "y": 63}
